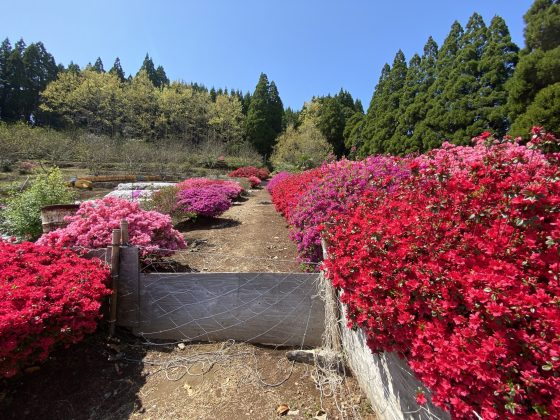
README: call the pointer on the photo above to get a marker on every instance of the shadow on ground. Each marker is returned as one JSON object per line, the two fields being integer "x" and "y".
{"x": 84, "y": 381}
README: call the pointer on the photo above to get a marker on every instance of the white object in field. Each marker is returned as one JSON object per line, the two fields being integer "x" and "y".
{"x": 153, "y": 186}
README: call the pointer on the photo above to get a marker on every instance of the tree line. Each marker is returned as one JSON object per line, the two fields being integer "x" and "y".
{"x": 478, "y": 80}
{"x": 147, "y": 106}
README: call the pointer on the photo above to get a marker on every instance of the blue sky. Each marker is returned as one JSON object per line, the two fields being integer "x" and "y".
{"x": 308, "y": 47}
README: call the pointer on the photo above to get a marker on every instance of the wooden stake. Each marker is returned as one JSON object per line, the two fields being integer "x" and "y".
{"x": 332, "y": 309}
{"x": 115, "y": 248}
{"x": 124, "y": 232}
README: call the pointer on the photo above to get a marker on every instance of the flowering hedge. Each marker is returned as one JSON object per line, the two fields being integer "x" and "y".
{"x": 49, "y": 296}
{"x": 247, "y": 171}
{"x": 94, "y": 222}
{"x": 312, "y": 198}
{"x": 231, "y": 189}
{"x": 457, "y": 268}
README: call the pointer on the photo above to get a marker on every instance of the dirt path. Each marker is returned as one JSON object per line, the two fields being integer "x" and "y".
{"x": 99, "y": 379}
{"x": 250, "y": 237}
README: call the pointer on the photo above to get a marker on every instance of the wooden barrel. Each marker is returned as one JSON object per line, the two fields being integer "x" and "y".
{"x": 52, "y": 217}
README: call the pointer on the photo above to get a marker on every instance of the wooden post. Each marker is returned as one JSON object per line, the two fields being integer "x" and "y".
{"x": 332, "y": 310}
{"x": 115, "y": 257}
{"x": 124, "y": 232}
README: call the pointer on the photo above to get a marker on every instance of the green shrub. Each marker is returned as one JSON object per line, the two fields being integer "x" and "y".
{"x": 165, "y": 201}
{"x": 22, "y": 215}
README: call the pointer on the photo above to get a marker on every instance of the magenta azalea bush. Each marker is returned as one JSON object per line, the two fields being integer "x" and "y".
{"x": 94, "y": 222}
{"x": 209, "y": 201}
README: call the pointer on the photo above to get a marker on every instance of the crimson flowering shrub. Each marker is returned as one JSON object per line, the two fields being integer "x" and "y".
{"x": 231, "y": 189}
{"x": 248, "y": 171}
{"x": 457, "y": 269}
{"x": 254, "y": 181}
{"x": 209, "y": 202}
{"x": 49, "y": 296}
{"x": 94, "y": 222}
{"x": 286, "y": 191}
{"x": 340, "y": 186}
{"x": 276, "y": 179}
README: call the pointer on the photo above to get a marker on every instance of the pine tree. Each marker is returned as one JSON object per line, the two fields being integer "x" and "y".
{"x": 149, "y": 68}
{"x": 14, "y": 104}
{"x": 461, "y": 119}
{"x": 416, "y": 112}
{"x": 406, "y": 118}
{"x": 358, "y": 107}
{"x": 496, "y": 67}
{"x": 40, "y": 69}
{"x": 435, "y": 128}
{"x": 213, "y": 94}
{"x": 160, "y": 78}
{"x": 98, "y": 66}
{"x": 5, "y": 51}
{"x": 117, "y": 70}
{"x": 73, "y": 68}
{"x": 245, "y": 103}
{"x": 380, "y": 129}
{"x": 260, "y": 132}
{"x": 533, "y": 89}
{"x": 374, "y": 112}
{"x": 276, "y": 108}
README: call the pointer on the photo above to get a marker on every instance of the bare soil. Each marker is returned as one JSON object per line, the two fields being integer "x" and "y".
{"x": 125, "y": 378}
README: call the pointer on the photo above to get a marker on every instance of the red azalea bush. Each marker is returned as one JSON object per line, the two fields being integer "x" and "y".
{"x": 94, "y": 222}
{"x": 248, "y": 171}
{"x": 457, "y": 269}
{"x": 49, "y": 296}
{"x": 254, "y": 181}
{"x": 339, "y": 187}
{"x": 287, "y": 191}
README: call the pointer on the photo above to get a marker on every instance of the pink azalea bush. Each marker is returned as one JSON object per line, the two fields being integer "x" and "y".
{"x": 94, "y": 222}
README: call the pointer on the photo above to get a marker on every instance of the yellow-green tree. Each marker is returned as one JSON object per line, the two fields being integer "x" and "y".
{"x": 301, "y": 148}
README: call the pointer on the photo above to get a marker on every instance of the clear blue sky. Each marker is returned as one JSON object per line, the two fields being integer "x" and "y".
{"x": 308, "y": 47}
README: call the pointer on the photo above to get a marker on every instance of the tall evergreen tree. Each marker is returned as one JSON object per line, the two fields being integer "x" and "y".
{"x": 461, "y": 119}
{"x": 98, "y": 66}
{"x": 406, "y": 119}
{"x": 161, "y": 78}
{"x": 535, "y": 86}
{"x": 374, "y": 112}
{"x": 259, "y": 129}
{"x": 434, "y": 127}
{"x": 117, "y": 70}
{"x": 416, "y": 112}
{"x": 380, "y": 129}
{"x": 5, "y": 51}
{"x": 40, "y": 69}
{"x": 14, "y": 103}
{"x": 149, "y": 68}
{"x": 245, "y": 103}
{"x": 496, "y": 67}
{"x": 276, "y": 108}
{"x": 73, "y": 68}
